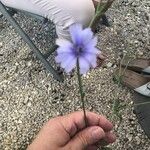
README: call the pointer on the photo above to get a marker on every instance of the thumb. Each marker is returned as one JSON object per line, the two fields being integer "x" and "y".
{"x": 86, "y": 137}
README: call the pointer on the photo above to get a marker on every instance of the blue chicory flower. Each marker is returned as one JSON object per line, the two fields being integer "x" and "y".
{"x": 81, "y": 47}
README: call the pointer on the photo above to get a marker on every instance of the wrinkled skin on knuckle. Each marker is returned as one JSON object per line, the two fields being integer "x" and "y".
{"x": 83, "y": 139}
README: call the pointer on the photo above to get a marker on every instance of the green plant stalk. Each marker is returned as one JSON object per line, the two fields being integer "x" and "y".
{"x": 100, "y": 10}
{"x": 81, "y": 92}
{"x": 97, "y": 13}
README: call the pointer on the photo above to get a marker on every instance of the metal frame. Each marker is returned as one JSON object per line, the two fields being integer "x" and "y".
{"x": 30, "y": 43}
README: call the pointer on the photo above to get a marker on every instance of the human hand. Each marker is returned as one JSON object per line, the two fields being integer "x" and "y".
{"x": 70, "y": 133}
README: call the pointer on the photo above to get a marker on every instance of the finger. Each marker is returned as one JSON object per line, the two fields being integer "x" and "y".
{"x": 74, "y": 122}
{"x": 95, "y": 119}
{"x": 108, "y": 139}
{"x": 87, "y": 137}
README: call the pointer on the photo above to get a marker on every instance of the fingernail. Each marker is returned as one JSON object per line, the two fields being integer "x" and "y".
{"x": 97, "y": 133}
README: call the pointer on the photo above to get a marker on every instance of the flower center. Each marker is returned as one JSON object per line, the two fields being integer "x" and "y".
{"x": 79, "y": 49}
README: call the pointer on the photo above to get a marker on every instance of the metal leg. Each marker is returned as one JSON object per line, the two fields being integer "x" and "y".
{"x": 48, "y": 53}
{"x": 27, "y": 39}
{"x": 11, "y": 12}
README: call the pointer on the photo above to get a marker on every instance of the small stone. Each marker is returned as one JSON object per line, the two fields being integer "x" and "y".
{"x": 1, "y": 44}
{"x": 25, "y": 100}
{"x": 90, "y": 108}
{"x": 69, "y": 101}
{"x": 1, "y": 92}
{"x": 109, "y": 65}
{"x": 138, "y": 140}
{"x": 140, "y": 53}
{"x": 29, "y": 104}
{"x": 19, "y": 121}
{"x": 58, "y": 113}
{"x": 136, "y": 42}
{"x": 115, "y": 66}
{"x": 125, "y": 52}
{"x": 29, "y": 63}
{"x": 130, "y": 137}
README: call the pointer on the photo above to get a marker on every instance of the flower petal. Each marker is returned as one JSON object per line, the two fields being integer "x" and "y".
{"x": 91, "y": 59}
{"x": 86, "y": 36}
{"x": 92, "y": 42}
{"x": 61, "y": 57}
{"x": 75, "y": 32}
{"x": 69, "y": 63}
{"x": 84, "y": 65}
{"x": 94, "y": 62}
{"x": 92, "y": 50}
{"x": 64, "y": 50}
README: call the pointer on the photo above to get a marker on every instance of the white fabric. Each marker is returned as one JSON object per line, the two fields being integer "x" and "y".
{"x": 62, "y": 12}
{"x": 144, "y": 89}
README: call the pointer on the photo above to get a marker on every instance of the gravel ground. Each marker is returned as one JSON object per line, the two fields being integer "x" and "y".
{"x": 29, "y": 96}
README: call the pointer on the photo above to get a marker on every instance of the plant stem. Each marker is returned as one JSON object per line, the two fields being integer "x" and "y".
{"x": 96, "y": 14}
{"x": 100, "y": 10}
{"x": 81, "y": 92}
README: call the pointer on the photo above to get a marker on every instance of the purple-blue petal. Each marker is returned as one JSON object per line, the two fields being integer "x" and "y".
{"x": 84, "y": 65}
{"x": 71, "y": 65}
{"x": 92, "y": 50}
{"x": 86, "y": 36}
{"x": 75, "y": 32}
{"x": 64, "y": 50}
{"x": 91, "y": 59}
{"x": 61, "y": 57}
{"x": 66, "y": 63}
{"x": 92, "y": 42}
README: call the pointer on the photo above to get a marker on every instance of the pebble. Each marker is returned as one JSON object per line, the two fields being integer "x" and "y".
{"x": 19, "y": 121}
{"x": 29, "y": 104}
{"x": 130, "y": 137}
{"x": 109, "y": 65}
{"x": 138, "y": 140}
{"x": 29, "y": 63}
{"x": 140, "y": 53}
{"x": 26, "y": 100}
{"x": 1, "y": 44}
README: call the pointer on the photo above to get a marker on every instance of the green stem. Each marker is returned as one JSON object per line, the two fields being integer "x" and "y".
{"x": 100, "y": 10}
{"x": 81, "y": 92}
{"x": 96, "y": 14}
